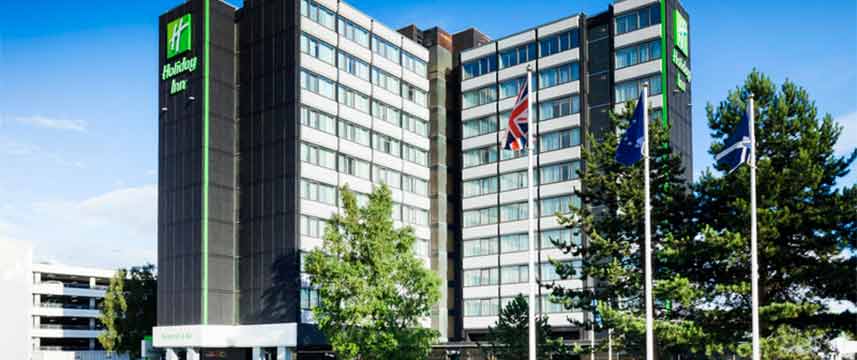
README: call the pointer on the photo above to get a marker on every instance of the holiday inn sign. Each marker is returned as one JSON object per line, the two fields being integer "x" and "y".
{"x": 178, "y": 41}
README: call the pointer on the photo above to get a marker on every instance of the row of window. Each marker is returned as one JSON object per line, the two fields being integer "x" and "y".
{"x": 630, "y": 90}
{"x": 551, "y": 141}
{"x": 514, "y": 274}
{"x": 325, "y": 193}
{"x": 520, "y": 54}
{"x": 638, "y": 19}
{"x": 508, "y": 88}
{"x": 519, "y": 211}
{"x": 638, "y": 54}
{"x": 512, "y": 243}
{"x": 492, "y": 306}
{"x": 351, "y": 31}
{"x": 323, "y": 157}
{"x": 547, "y": 174}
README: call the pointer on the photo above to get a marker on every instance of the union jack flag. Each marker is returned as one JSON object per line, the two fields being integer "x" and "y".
{"x": 516, "y": 133}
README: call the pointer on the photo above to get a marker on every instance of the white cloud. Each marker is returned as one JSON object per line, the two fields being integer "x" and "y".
{"x": 114, "y": 229}
{"x": 14, "y": 148}
{"x": 848, "y": 140}
{"x": 53, "y": 123}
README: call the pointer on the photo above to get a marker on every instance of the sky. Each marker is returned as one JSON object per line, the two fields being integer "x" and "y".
{"x": 78, "y": 99}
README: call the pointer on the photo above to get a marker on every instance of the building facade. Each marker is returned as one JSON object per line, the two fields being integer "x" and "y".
{"x": 66, "y": 303}
{"x": 583, "y": 68}
{"x": 265, "y": 112}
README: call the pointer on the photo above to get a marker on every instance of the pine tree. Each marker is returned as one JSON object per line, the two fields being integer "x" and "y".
{"x": 374, "y": 291}
{"x": 807, "y": 222}
{"x": 508, "y": 339}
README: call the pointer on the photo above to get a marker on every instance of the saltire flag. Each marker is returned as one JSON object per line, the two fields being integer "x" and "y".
{"x": 630, "y": 149}
{"x": 516, "y": 132}
{"x": 736, "y": 149}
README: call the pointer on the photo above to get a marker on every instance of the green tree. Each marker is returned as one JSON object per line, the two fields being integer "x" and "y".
{"x": 141, "y": 315}
{"x": 508, "y": 339}
{"x": 374, "y": 291}
{"x": 113, "y": 309}
{"x": 807, "y": 222}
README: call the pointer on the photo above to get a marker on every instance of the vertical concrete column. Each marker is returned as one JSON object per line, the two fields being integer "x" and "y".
{"x": 37, "y": 322}
{"x": 171, "y": 354}
{"x": 37, "y": 300}
{"x": 37, "y": 278}
{"x": 283, "y": 353}
{"x": 91, "y": 323}
{"x": 92, "y": 303}
{"x": 37, "y": 344}
{"x": 91, "y": 344}
{"x": 192, "y": 354}
{"x": 91, "y": 282}
{"x": 257, "y": 353}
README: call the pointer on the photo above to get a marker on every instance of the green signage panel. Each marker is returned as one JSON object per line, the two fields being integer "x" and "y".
{"x": 681, "y": 34}
{"x": 178, "y": 36}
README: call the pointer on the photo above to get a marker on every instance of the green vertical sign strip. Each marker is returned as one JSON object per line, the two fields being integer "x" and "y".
{"x": 665, "y": 91}
{"x": 205, "y": 140}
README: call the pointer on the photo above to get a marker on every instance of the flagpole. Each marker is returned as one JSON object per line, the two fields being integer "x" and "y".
{"x": 530, "y": 214}
{"x": 754, "y": 261}
{"x": 650, "y": 336}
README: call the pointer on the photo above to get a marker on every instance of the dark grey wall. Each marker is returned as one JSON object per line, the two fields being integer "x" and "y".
{"x": 679, "y": 116}
{"x": 269, "y": 169}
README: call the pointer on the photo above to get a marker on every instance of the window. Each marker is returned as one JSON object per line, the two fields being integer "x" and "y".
{"x": 559, "y": 204}
{"x": 550, "y": 307}
{"x": 385, "y": 49}
{"x": 507, "y": 154}
{"x": 509, "y": 88}
{"x": 481, "y": 186}
{"x": 354, "y": 167}
{"x": 421, "y": 247}
{"x": 548, "y": 272}
{"x": 318, "y": 13}
{"x": 514, "y": 243}
{"x": 480, "y": 247}
{"x": 630, "y": 90}
{"x": 514, "y": 212}
{"x": 514, "y": 274}
{"x": 353, "y": 99}
{"x": 414, "y": 185}
{"x": 386, "y": 145}
{"x": 414, "y": 154}
{"x": 317, "y": 84}
{"x": 638, "y": 54}
{"x": 558, "y": 43}
{"x": 513, "y": 181}
{"x": 382, "y": 111}
{"x": 315, "y": 191}
{"x": 354, "y": 133}
{"x": 353, "y": 32}
{"x": 564, "y": 236}
{"x": 638, "y": 19}
{"x": 382, "y": 175}
{"x": 309, "y": 299}
{"x": 481, "y": 156}
{"x": 415, "y": 216}
{"x": 318, "y": 155}
{"x": 396, "y": 212}
{"x": 481, "y": 307}
{"x": 480, "y": 66}
{"x": 555, "y": 108}
{"x": 414, "y": 64}
{"x": 479, "y": 96}
{"x": 384, "y": 80}
{"x": 517, "y": 55}
{"x": 312, "y": 226}
{"x": 318, "y": 120}
{"x": 414, "y": 94}
{"x": 317, "y": 49}
{"x": 559, "y": 172}
{"x": 559, "y": 140}
{"x": 414, "y": 124}
{"x": 559, "y": 75}
{"x": 478, "y": 217}
{"x": 480, "y": 126}
{"x": 353, "y": 65}
{"x": 481, "y": 277}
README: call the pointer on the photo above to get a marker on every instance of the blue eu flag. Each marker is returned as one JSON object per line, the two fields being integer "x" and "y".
{"x": 630, "y": 149}
{"x": 736, "y": 150}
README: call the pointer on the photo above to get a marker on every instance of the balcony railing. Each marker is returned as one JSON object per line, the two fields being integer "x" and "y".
{"x": 55, "y": 305}
{"x": 66, "y": 327}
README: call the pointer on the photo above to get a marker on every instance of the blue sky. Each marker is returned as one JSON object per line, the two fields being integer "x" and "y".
{"x": 78, "y": 106}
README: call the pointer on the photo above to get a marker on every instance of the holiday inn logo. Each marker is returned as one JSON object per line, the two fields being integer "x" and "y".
{"x": 178, "y": 36}
{"x": 681, "y": 33}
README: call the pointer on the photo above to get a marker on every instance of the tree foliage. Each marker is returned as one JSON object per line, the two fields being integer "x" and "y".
{"x": 128, "y": 312}
{"x": 374, "y": 291}
{"x": 112, "y": 309}
{"x": 701, "y": 234}
{"x": 509, "y": 338}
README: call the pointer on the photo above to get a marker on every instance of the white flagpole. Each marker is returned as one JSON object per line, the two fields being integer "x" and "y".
{"x": 530, "y": 214}
{"x": 650, "y": 336}
{"x": 754, "y": 261}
